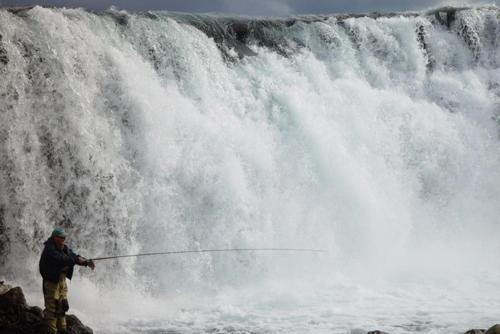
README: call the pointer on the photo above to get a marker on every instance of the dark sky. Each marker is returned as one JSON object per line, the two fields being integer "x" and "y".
{"x": 257, "y": 7}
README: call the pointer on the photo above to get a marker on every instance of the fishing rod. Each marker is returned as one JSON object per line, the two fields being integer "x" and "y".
{"x": 213, "y": 251}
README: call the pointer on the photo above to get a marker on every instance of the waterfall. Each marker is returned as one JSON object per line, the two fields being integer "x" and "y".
{"x": 373, "y": 137}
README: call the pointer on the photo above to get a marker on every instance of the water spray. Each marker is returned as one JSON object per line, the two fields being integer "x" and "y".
{"x": 213, "y": 251}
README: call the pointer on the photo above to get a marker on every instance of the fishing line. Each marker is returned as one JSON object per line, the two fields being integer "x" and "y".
{"x": 213, "y": 251}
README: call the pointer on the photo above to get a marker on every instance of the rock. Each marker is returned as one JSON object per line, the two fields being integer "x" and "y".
{"x": 75, "y": 326}
{"x": 36, "y": 311}
{"x": 16, "y": 317}
{"x": 4, "y": 287}
{"x": 13, "y": 298}
{"x": 493, "y": 330}
{"x": 376, "y": 332}
{"x": 4, "y": 59}
{"x": 475, "y": 331}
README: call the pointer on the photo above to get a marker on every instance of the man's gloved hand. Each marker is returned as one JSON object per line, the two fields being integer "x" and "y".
{"x": 84, "y": 262}
{"x": 90, "y": 264}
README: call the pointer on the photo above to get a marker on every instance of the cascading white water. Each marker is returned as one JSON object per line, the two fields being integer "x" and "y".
{"x": 374, "y": 139}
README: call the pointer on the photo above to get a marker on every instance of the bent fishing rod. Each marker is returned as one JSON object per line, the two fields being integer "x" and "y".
{"x": 213, "y": 251}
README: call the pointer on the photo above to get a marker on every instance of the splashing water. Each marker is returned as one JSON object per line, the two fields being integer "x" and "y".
{"x": 374, "y": 138}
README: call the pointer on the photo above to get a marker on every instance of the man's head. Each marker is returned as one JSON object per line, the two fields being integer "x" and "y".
{"x": 59, "y": 236}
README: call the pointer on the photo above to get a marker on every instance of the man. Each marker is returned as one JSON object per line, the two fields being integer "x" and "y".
{"x": 56, "y": 264}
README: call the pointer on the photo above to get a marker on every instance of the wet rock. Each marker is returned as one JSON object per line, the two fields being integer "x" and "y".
{"x": 3, "y": 54}
{"x": 446, "y": 15}
{"x": 16, "y": 317}
{"x": 13, "y": 299}
{"x": 3, "y": 287}
{"x": 20, "y": 10}
{"x": 493, "y": 330}
{"x": 121, "y": 18}
{"x": 75, "y": 326}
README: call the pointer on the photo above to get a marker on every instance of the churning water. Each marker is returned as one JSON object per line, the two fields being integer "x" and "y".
{"x": 374, "y": 138}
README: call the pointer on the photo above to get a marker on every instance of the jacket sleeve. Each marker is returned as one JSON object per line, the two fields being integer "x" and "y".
{"x": 59, "y": 257}
{"x": 74, "y": 256}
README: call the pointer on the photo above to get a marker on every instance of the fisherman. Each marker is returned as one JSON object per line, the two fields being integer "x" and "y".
{"x": 56, "y": 264}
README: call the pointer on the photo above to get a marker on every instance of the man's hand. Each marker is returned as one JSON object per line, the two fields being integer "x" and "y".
{"x": 84, "y": 262}
{"x": 90, "y": 264}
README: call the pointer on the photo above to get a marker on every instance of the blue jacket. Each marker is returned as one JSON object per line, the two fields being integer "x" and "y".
{"x": 54, "y": 260}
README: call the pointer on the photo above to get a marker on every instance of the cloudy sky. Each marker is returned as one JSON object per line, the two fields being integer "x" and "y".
{"x": 257, "y": 7}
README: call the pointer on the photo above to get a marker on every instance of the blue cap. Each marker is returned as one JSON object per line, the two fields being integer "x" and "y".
{"x": 59, "y": 232}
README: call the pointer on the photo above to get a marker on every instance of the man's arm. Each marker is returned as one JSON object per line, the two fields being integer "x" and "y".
{"x": 76, "y": 258}
{"x": 80, "y": 260}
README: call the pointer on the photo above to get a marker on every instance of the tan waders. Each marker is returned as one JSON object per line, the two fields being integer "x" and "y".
{"x": 56, "y": 304}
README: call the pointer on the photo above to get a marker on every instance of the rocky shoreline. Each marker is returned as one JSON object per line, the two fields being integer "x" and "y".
{"x": 495, "y": 329}
{"x": 17, "y": 317}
